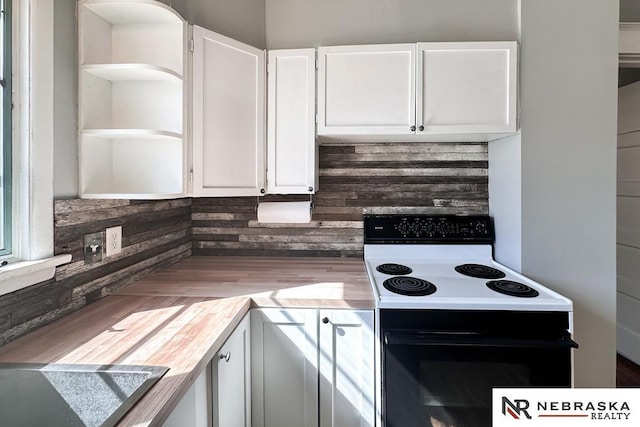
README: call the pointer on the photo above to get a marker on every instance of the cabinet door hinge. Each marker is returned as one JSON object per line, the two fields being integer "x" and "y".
{"x": 191, "y": 45}
{"x": 191, "y": 177}
{"x": 316, "y": 118}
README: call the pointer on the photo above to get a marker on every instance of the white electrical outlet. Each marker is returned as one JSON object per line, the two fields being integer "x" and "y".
{"x": 113, "y": 240}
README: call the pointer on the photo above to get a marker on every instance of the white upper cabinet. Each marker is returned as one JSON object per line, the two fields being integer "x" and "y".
{"x": 291, "y": 143}
{"x": 131, "y": 100}
{"x": 364, "y": 90}
{"x": 228, "y": 116}
{"x": 160, "y": 120}
{"x": 426, "y": 91}
{"x": 134, "y": 113}
{"x": 467, "y": 87}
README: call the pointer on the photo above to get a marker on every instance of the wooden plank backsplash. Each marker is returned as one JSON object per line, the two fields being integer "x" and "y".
{"x": 448, "y": 178}
{"x": 155, "y": 234}
{"x": 354, "y": 179}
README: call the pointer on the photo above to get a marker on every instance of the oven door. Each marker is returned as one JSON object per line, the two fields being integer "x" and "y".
{"x": 446, "y": 379}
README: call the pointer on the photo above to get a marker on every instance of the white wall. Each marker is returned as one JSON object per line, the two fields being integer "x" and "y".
{"x": 311, "y": 23}
{"x": 568, "y": 124}
{"x": 243, "y": 20}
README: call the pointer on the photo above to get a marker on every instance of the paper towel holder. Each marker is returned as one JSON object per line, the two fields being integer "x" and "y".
{"x": 310, "y": 203}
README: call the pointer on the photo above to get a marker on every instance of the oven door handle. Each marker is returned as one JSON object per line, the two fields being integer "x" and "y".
{"x": 461, "y": 340}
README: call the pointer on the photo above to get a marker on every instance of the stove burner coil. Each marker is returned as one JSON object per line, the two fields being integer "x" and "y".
{"x": 394, "y": 269}
{"x": 410, "y": 286}
{"x": 480, "y": 271}
{"x": 511, "y": 288}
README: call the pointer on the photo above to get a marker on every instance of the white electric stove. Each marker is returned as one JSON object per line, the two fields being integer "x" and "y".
{"x": 452, "y": 324}
{"x": 446, "y": 262}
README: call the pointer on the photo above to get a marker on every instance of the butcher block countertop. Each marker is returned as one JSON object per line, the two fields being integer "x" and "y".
{"x": 269, "y": 282}
{"x": 181, "y": 316}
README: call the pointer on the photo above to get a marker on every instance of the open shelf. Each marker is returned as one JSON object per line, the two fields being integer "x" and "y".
{"x": 131, "y": 104}
{"x": 135, "y": 134}
{"x": 108, "y": 35}
{"x": 138, "y": 168}
{"x": 133, "y": 196}
{"x": 133, "y": 11}
{"x": 125, "y": 72}
{"x": 131, "y": 99}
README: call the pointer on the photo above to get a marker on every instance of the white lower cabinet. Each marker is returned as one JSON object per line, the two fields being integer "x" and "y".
{"x": 346, "y": 368}
{"x": 231, "y": 379}
{"x": 312, "y": 368}
{"x": 284, "y": 352}
{"x": 193, "y": 408}
{"x": 220, "y": 396}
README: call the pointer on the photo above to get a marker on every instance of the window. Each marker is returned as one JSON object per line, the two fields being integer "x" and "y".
{"x": 27, "y": 113}
{"x": 5, "y": 129}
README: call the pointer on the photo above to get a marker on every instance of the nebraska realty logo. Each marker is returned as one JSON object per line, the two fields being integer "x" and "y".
{"x": 566, "y": 407}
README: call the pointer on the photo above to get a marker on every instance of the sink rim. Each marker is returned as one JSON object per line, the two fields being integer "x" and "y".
{"x": 84, "y": 367}
{"x": 153, "y": 374}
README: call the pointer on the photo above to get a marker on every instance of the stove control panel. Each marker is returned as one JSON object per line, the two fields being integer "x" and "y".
{"x": 425, "y": 229}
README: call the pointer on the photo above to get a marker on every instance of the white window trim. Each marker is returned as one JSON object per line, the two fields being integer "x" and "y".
{"x": 33, "y": 260}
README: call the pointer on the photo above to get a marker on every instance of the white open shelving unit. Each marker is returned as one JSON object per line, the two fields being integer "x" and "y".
{"x": 132, "y": 100}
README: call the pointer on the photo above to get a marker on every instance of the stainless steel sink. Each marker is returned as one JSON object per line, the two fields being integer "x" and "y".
{"x": 71, "y": 395}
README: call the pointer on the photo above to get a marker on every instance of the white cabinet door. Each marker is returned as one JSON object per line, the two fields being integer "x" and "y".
{"x": 291, "y": 145}
{"x": 193, "y": 408}
{"x": 231, "y": 379}
{"x": 284, "y": 351}
{"x": 228, "y": 116}
{"x": 347, "y": 368}
{"x": 364, "y": 90}
{"x": 467, "y": 87}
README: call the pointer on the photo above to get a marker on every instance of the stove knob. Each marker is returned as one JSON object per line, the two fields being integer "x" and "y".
{"x": 481, "y": 227}
{"x": 403, "y": 228}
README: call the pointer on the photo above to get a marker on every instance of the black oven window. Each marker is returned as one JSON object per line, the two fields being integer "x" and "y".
{"x": 457, "y": 393}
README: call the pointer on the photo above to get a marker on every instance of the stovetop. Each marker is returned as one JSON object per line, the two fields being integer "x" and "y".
{"x": 423, "y": 264}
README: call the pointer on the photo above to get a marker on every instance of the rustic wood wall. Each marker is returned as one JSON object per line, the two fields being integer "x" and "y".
{"x": 354, "y": 179}
{"x": 155, "y": 234}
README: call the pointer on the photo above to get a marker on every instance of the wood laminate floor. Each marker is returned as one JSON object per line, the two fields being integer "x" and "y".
{"x": 627, "y": 373}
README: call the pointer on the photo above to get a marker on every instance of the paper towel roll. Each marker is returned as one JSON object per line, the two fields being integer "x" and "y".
{"x": 284, "y": 212}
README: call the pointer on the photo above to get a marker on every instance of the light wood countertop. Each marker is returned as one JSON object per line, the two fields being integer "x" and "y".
{"x": 269, "y": 282}
{"x": 181, "y": 316}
